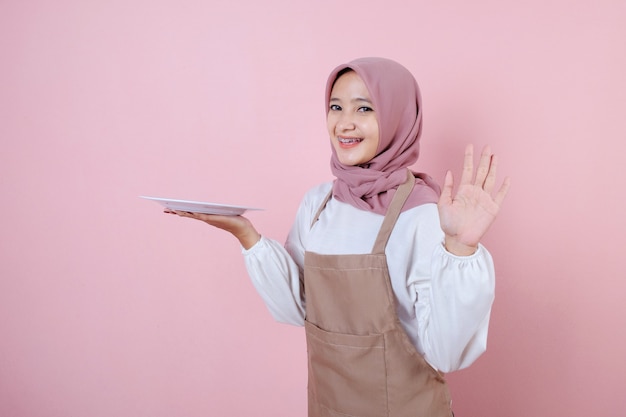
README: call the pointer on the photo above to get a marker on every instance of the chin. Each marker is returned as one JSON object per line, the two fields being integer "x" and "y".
{"x": 351, "y": 163}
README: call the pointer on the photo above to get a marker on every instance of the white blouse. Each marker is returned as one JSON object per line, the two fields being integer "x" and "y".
{"x": 444, "y": 300}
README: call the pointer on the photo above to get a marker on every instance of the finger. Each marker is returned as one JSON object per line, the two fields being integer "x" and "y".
{"x": 184, "y": 213}
{"x": 446, "y": 191}
{"x": 483, "y": 166}
{"x": 490, "y": 181}
{"x": 468, "y": 165}
{"x": 208, "y": 218}
{"x": 502, "y": 192}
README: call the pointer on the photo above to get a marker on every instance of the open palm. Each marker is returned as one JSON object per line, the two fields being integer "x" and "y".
{"x": 238, "y": 226}
{"x": 466, "y": 216}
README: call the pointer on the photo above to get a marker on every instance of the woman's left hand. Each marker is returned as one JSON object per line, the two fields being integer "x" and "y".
{"x": 466, "y": 216}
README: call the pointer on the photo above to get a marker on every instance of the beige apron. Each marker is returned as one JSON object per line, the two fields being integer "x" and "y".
{"x": 361, "y": 362}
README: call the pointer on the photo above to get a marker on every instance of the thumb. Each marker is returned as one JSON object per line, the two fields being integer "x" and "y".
{"x": 446, "y": 191}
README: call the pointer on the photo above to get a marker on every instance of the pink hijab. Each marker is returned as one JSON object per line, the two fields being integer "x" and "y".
{"x": 397, "y": 103}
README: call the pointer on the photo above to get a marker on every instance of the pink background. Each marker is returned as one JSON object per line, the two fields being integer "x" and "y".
{"x": 110, "y": 308}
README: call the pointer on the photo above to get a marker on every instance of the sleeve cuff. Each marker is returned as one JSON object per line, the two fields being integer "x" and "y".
{"x": 476, "y": 254}
{"x": 260, "y": 243}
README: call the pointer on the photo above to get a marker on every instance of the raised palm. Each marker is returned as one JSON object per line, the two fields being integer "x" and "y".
{"x": 466, "y": 216}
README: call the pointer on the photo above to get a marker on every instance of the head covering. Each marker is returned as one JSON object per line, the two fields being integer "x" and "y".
{"x": 397, "y": 105}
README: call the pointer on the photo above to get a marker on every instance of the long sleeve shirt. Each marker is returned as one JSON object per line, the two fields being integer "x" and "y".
{"x": 443, "y": 300}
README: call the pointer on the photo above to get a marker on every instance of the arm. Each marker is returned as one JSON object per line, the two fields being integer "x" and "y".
{"x": 459, "y": 288}
{"x": 276, "y": 278}
{"x": 274, "y": 270}
{"x": 459, "y": 297}
{"x": 271, "y": 269}
{"x": 277, "y": 272}
{"x": 449, "y": 296}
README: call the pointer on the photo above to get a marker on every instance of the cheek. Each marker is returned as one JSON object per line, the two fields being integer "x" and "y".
{"x": 330, "y": 125}
{"x": 373, "y": 130}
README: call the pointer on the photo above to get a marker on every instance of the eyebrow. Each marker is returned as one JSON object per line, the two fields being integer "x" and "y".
{"x": 354, "y": 100}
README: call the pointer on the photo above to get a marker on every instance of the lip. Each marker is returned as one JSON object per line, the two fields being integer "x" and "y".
{"x": 347, "y": 142}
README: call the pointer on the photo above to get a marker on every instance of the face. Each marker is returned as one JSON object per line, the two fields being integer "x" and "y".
{"x": 352, "y": 123}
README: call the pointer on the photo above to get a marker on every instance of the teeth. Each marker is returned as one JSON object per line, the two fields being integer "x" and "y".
{"x": 349, "y": 140}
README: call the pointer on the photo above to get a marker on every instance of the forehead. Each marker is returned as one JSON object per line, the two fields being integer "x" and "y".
{"x": 349, "y": 83}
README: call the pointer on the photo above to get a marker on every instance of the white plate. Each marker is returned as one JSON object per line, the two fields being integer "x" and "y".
{"x": 201, "y": 207}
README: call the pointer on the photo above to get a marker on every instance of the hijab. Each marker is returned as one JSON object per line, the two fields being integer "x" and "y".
{"x": 397, "y": 104}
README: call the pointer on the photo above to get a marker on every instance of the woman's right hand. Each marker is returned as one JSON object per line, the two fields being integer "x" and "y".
{"x": 238, "y": 226}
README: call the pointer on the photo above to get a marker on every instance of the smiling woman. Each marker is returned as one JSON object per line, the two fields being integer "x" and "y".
{"x": 378, "y": 267}
{"x": 352, "y": 123}
{"x": 110, "y": 308}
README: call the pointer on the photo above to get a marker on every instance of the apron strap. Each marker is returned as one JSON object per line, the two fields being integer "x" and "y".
{"x": 322, "y": 206}
{"x": 393, "y": 212}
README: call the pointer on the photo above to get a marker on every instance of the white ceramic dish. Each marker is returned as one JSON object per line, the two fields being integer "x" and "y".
{"x": 200, "y": 206}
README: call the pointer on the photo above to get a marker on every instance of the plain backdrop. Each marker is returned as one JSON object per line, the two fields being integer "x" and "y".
{"x": 108, "y": 307}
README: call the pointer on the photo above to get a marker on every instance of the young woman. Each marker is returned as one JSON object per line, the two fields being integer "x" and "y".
{"x": 386, "y": 273}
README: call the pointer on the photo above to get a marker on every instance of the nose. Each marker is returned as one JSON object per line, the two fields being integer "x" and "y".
{"x": 345, "y": 122}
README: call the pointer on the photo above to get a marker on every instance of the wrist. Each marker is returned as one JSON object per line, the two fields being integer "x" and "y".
{"x": 249, "y": 238}
{"x": 458, "y": 248}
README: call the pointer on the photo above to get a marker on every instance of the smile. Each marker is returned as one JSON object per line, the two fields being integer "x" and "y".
{"x": 349, "y": 141}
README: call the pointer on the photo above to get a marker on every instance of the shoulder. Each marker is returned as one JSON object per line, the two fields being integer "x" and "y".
{"x": 319, "y": 191}
{"x": 427, "y": 210}
{"x": 424, "y": 212}
{"x": 311, "y": 202}
{"x": 423, "y": 219}
{"x": 316, "y": 195}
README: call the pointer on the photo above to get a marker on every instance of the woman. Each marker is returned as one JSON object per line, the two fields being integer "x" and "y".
{"x": 388, "y": 278}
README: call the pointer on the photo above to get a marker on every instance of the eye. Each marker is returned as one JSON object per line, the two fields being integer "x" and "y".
{"x": 335, "y": 107}
{"x": 365, "y": 109}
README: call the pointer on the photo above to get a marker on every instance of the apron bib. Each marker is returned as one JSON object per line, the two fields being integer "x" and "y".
{"x": 361, "y": 362}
